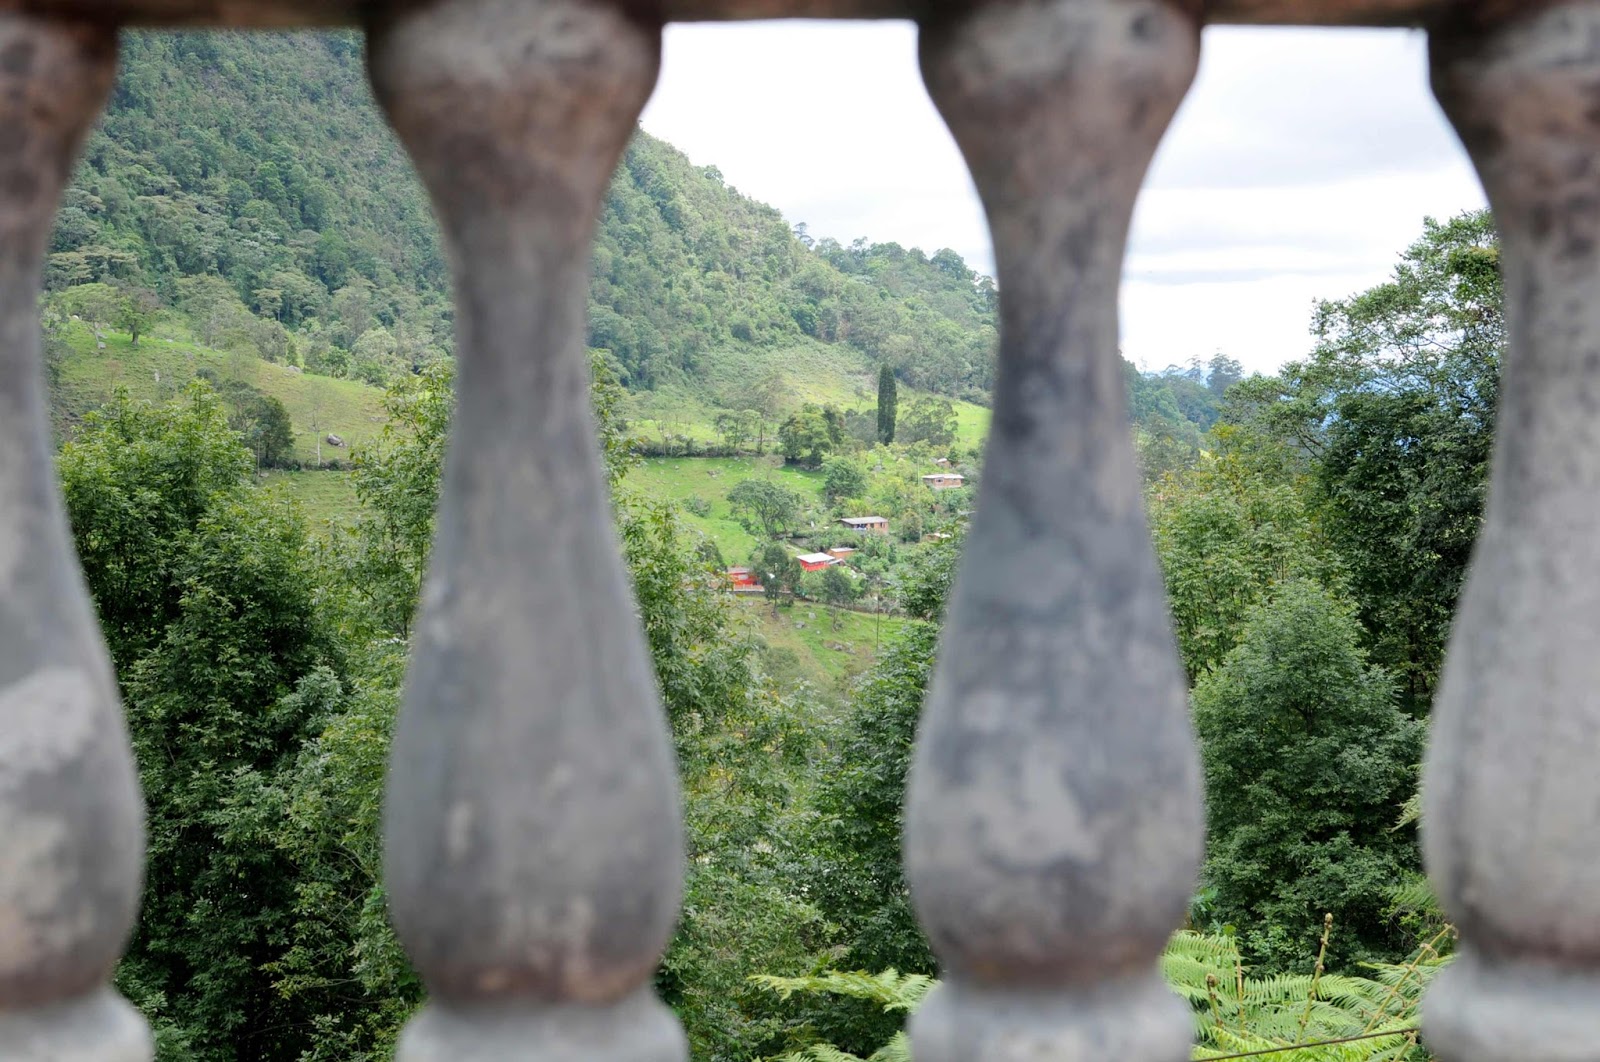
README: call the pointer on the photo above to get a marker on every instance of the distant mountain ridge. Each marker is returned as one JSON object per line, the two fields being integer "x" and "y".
{"x": 262, "y": 160}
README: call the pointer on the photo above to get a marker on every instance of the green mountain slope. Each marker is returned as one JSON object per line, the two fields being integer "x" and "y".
{"x": 261, "y": 160}
{"x": 243, "y": 194}
{"x": 85, "y": 373}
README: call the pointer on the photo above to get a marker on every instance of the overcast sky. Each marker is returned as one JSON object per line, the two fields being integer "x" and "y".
{"x": 1302, "y": 162}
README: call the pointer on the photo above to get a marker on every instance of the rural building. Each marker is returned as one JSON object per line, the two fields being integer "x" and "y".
{"x": 841, "y": 552}
{"x": 878, "y": 525}
{"x": 942, "y": 462}
{"x": 944, "y": 480}
{"x": 815, "y": 562}
{"x": 741, "y": 577}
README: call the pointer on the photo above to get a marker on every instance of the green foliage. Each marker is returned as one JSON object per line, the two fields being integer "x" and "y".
{"x": 777, "y": 570}
{"x": 842, "y": 478}
{"x": 1234, "y": 1010}
{"x": 1306, "y": 758}
{"x": 891, "y": 991}
{"x": 925, "y": 583}
{"x": 931, "y": 420}
{"x": 810, "y": 434}
{"x": 271, "y": 436}
{"x": 259, "y": 163}
{"x": 833, "y": 586}
{"x": 138, "y": 482}
{"x": 1237, "y": 1010}
{"x": 853, "y": 850}
{"x": 341, "y": 963}
{"x": 737, "y": 747}
{"x": 888, "y": 403}
{"x": 207, "y": 588}
{"x": 1172, "y": 408}
{"x": 619, "y": 450}
{"x": 397, "y": 481}
{"x": 737, "y": 428}
{"x": 765, "y": 507}
{"x": 136, "y": 310}
{"x": 1228, "y": 531}
{"x": 1396, "y": 409}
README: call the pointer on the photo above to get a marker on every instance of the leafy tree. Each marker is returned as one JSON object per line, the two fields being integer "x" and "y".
{"x": 136, "y": 310}
{"x": 213, "y": 308}
{"x": 1395, "y": 410}
{"x": 340, "y": 965}
{"x": 270, "y": 435}
{"x": 887, "y": 405}
{"x": 736, "y": 428}
{"x": 778, "y": 571}
{"x": 1306, "y": 760}
{"x": 397, "y": 482}
{"x": 1228, "y": 532}
{"x": 766, "y": 395}
{"x": 842, "y": 478}
{"x": 808, "y": 436}
{"x": 837, "y": 588}
{"x": 207, "y": 591}
{"x": 931, "y": 420}
{"x": 925, "y": 583}
{"x": 764, "y": 507}
{"x": 619, "y": 451}
{"x": 138, "y": 481}
{"x": 1222, "y": 373}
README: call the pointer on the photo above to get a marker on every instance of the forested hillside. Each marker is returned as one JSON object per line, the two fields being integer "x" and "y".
{"x": 261, "y": 160}
{"x": 245, "y": 186}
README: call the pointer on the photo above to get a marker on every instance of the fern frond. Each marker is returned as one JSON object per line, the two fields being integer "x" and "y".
{"x": 897, "y": 1049}
{"x": 890, "y": 989}
{"x": 819, "y": 1053}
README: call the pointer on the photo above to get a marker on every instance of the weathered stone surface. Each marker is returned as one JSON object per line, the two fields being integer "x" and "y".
{"x": 99, "y": 1027}
{"x": 1512, "y": 792}
{"x": 533, "y": 835}
{"x": 635, "y": 1029}
{"x": 1053, "y": 821}
{"x": 336, "y": 12}
{"x": 71, "y": 824}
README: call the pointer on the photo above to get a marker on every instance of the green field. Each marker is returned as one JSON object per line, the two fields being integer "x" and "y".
{"x": 972, "y": 423}
{"x": 327, "y": 497}
{"x": 812, "y": 372}
{"x": 802, "y": 643}
{"x": 681, "y": 479}
{"x": 161, "y": 365}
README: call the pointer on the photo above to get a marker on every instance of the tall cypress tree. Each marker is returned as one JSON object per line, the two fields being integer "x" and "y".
{"x": 887, "y": 402}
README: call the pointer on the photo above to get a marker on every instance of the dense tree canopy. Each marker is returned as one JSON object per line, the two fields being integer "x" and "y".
{"x": 1394, "y": 413}
{"x": 1307, "y": 760}
{"x": 207, "y": 589}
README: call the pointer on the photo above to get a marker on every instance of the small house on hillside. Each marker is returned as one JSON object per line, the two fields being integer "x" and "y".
{"x": 742, "y": 577}
{"x": 944, "y": 480}
{"x": 815, "y": 562}
{"x": 877, "y": 525}
{"x": 841, "y": 552}
{"x": 942, "y": 462}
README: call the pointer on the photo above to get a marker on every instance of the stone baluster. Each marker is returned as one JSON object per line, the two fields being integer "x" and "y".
{"x": 71, "y": 821}
{"x": 1054, "y": 815}
{"x": 1511, "y": 821}
{"x": 533, "y": 831}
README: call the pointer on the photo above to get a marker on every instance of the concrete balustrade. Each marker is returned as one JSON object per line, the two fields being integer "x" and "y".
{"x": 532, "y": 827}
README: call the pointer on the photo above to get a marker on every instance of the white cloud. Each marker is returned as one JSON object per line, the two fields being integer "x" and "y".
{"x": 1301, "y": 164}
